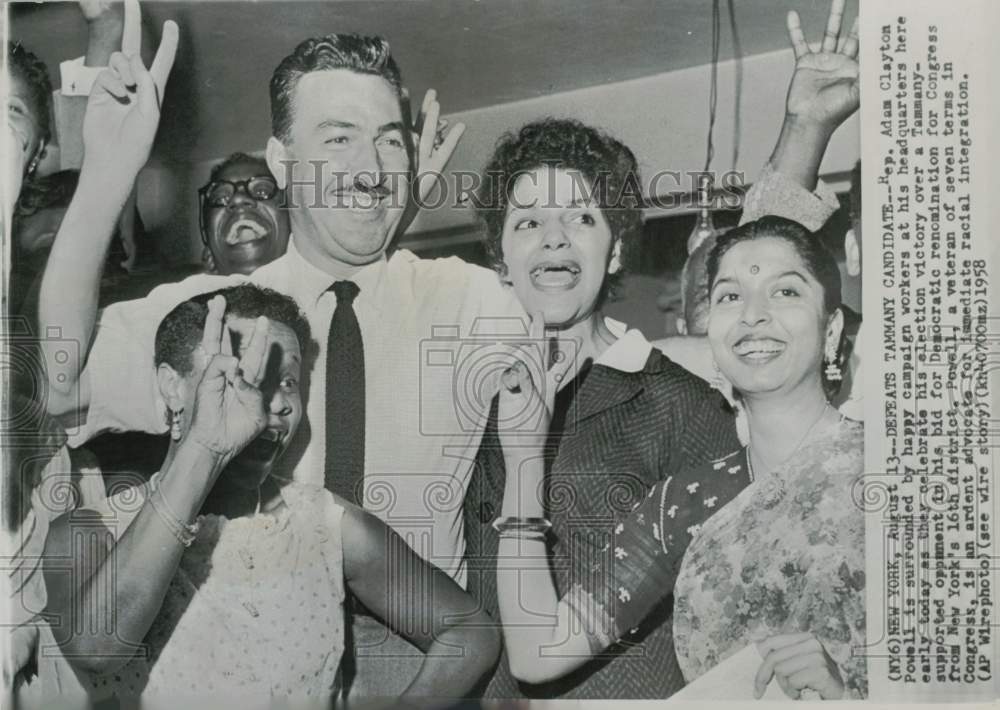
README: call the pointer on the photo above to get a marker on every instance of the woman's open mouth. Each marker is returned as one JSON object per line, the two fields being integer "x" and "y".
{"x": 758, "y": 350}
{"x": 555, "y": 275}
{"x": 265, "y": 447}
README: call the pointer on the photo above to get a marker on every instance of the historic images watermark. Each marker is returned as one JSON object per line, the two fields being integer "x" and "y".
{"x": 664, "y": 189}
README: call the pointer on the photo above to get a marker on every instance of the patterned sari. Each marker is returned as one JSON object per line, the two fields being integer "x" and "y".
{"x": 785, "y": 555}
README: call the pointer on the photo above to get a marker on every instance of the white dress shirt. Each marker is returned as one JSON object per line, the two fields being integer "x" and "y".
{"x": 431, "y": 329}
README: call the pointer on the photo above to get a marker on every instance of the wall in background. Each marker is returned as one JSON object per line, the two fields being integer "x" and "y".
{"x": 663, "y": 118}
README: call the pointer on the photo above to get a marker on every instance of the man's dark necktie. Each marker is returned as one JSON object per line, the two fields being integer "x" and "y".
{"x": 345, "y": 398}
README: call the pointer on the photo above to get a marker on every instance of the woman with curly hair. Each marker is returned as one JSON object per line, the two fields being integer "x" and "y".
{"x": 561, "y": 205}
{"x": 764, "y": 546}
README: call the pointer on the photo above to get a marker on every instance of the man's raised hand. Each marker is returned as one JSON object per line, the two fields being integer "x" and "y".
{"x": 434, "y": 145}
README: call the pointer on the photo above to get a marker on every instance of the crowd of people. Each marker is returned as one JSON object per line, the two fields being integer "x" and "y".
{"x": 330, "y": 515}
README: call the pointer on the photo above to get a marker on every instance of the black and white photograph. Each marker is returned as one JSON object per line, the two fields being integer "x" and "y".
{"x": 487, "y": 353}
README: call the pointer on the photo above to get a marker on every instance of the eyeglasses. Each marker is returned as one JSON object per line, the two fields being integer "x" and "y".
{"x": 220, "y": 192}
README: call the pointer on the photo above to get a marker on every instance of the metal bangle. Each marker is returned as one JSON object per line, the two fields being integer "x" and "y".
{"x": 186, "y": 533}
{"x": 522, "y": 535}
{"x": 538, "y": 526}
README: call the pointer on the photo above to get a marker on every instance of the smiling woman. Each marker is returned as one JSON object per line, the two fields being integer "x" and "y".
{"x": 782, "y": 564}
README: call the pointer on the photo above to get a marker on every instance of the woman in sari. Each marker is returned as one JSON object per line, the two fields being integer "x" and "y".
{"x": 773, "y": 540}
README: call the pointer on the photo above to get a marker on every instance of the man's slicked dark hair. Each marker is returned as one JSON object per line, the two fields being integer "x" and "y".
{"x": 181, "y": 330}
{"x": 362, "y": 55}
{"x": 31, "y": 69}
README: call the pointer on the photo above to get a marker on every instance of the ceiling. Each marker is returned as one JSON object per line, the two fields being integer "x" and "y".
{"x": 475, "y": 53}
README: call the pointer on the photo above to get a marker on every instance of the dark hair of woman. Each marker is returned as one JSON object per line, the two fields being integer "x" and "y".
{"x": 607, "y": 163}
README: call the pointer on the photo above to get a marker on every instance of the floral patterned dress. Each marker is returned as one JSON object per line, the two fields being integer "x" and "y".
{"x": 785, "y": 555}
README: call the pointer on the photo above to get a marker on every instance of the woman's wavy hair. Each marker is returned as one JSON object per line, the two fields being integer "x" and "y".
{"x": 818, "y": 260}
{"x": 607, "y": 163}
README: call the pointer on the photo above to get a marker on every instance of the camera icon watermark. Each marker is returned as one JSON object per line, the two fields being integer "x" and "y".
{"x": 460, "y": 374}
{"x": 29, "y": 368}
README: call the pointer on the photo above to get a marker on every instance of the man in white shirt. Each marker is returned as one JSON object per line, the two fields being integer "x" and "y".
{"x": 339, "y": 147}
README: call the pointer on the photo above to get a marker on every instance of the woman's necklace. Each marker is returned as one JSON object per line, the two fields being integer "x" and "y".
{"x": 750, "y": 466}
{"x": 246, "y": 556}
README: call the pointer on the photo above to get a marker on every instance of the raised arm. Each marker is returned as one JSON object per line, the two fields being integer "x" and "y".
{"x": 122, "y": 116}
{"x": 543, "y": 641}
{"x": 823, "y": 93}
{"x": 422, "y": 604}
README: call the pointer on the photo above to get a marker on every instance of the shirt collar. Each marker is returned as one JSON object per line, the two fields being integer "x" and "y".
{"x": 629, "y": 353}
{"x": 312, "y": 282}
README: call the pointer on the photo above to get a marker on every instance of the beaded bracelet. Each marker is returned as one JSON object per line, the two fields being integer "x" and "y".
{"x": 184, "y": 532}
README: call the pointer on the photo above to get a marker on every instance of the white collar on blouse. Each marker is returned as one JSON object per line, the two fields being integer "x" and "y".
{"x": 629, "y": 353}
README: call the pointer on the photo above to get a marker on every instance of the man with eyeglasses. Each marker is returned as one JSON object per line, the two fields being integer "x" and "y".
{"x": 243, "y": 225}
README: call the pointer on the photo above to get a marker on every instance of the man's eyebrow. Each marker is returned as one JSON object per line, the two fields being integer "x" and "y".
{"x": 334, "y": 123}
{"x": 393, "y": 126}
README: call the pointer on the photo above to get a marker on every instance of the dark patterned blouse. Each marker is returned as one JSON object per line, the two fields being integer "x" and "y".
{"x": 616, "y": 434}
{"x": 641, "y": 562}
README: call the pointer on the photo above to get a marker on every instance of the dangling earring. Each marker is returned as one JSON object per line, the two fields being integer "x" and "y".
{"x": 33, "y": 165}
{"x": 832, "y": 371}
{"x": 174, "y": 418}
{"x": 616, "y": 262}
{"x": 208, "y": 261}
